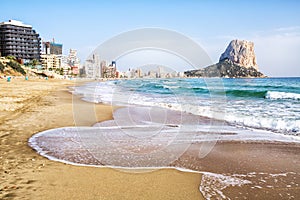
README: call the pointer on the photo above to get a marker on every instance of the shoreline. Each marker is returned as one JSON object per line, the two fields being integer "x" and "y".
{"x": 189, "y": 161}
{"x": 37, "y": 177}
{"x": 28, "y": 175}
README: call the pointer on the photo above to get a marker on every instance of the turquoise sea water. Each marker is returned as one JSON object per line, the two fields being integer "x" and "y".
{"x": 268, "y": 103}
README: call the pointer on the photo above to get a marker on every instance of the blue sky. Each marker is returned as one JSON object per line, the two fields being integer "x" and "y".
{"x": 274, "y": 26}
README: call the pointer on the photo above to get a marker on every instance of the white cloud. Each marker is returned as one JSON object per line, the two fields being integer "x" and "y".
{"x": 278, "y": 51}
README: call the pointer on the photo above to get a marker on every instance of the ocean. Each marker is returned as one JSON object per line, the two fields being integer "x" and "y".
{"x": 266, "y": 104}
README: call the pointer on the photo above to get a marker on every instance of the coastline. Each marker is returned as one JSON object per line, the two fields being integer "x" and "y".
{"x": 39, "y": 105}
{"x": 239, "y": 169}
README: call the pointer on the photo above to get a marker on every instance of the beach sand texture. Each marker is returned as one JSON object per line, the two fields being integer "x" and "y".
{"x": 29, "y": 107}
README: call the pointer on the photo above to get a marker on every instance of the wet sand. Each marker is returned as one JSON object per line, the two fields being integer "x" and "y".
{"x": 244, "y": 169}
{"x": 232, "y": 169}
{"x": 273, "y": 168}
{"x": 29, "y": 107}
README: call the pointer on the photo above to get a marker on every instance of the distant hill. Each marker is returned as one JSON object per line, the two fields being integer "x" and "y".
{"x": 10, "y": 67}
{"x": 238, "y": 61}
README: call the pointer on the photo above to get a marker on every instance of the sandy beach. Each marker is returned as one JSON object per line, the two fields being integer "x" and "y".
{"x": 29, "y": 107}
{"x": 255, "y": 170}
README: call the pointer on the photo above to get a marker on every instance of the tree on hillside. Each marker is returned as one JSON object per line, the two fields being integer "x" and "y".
{"x": 35, "y": 62}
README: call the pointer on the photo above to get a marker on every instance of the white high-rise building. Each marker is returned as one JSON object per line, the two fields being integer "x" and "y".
{"x": 93, "y": 67}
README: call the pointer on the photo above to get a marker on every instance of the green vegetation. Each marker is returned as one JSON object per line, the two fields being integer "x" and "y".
{"x": 34, "y": 62}
{"x": 16, "y": 66}
{"x": 2, "y": 66}
{"x": 59, "y": 71}
{"x": 11, "y": 58}
{"x": 13, "y": 63}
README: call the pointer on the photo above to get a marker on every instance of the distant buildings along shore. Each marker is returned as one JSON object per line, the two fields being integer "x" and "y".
{"x": 53, "y": 60}
{"x": 24, "y": 43}
{"x": 96, "y": 68}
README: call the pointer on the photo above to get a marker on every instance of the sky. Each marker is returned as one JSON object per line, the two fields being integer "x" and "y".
{"x": 273, "y": 26}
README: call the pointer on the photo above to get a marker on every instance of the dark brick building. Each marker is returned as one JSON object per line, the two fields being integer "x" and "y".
{"x": 19, "y": 40}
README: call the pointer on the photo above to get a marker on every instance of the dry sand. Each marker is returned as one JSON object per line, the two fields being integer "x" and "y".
{"x": 28, "y": 107}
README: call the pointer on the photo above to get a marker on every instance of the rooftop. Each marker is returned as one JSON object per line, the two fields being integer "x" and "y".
{"x": 55, "y": 44}
{"x": 15, "y": 23}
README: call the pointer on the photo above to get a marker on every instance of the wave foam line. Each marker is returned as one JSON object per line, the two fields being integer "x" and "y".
{"x": 207, "y": 177}
{"x": 282, "y": 95}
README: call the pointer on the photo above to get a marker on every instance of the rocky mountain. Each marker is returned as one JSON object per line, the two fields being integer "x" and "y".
{"x": 237, "y": 61}
{"x": 240, "y": 52}
{"x": 226, "y": 69}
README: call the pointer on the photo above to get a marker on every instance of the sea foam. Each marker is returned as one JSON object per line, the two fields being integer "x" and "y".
{"x": 277, "y": 112}
{"x": 282, "y": 95}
